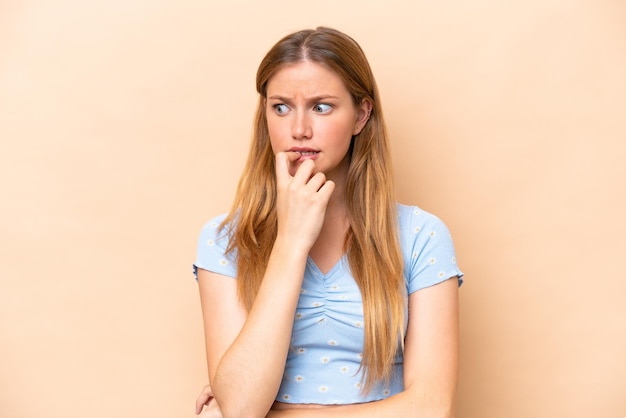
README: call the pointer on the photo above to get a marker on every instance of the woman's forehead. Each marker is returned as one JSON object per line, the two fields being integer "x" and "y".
{"x": 305, "y": 78}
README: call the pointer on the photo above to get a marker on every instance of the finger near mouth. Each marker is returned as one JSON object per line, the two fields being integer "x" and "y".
{"x": 307, "y": 155}
{"x": 299, "y": 162}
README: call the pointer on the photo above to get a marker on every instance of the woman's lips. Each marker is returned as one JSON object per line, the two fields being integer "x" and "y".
{"x": 305, "y": 154}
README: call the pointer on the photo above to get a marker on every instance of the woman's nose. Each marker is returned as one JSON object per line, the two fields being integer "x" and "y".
{"x": 301, "y": 128}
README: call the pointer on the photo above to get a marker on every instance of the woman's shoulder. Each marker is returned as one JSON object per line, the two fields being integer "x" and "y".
{"x": 215, "y": 221}
{"x": 216, "y": 230}
{"x": 221, "y": 222}
{"x": 212, "y": 250}
{"x": 427, "y": 248}
{"x": 416, "y": 217}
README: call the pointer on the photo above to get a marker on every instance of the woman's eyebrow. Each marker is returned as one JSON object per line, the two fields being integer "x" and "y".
{"x": 321, "y": 97}
{"x": 276, "y": 97}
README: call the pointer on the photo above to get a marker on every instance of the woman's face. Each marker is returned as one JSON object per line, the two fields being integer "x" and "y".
{"x": 309, "y": 110}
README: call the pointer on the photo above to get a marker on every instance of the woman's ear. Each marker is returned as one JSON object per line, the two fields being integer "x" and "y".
{"x": 362, "y": 115}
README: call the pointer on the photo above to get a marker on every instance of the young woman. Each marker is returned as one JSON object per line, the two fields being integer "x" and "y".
{"x": 322, "y": 296}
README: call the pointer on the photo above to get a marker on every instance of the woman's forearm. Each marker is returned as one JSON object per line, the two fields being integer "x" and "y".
{"x": 249, "y": 374}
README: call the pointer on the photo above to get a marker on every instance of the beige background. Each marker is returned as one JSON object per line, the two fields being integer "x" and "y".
{"x": 124, "y": 126}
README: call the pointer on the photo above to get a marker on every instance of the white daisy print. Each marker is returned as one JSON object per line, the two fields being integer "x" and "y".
{"x": 343, "y": 369}
{"x": 286, "y": 397}
{"x": 210, "y": 242}
{"x": 299, "y": 378}
{"x": 417, "y": 229}
{"x": 432, "y": 260}
{"x": 332, "y": 342}
{"x": 323, "y": 389}
{"x": 414, "y": 254}
{"x": 325, "y": 360}
{"x": 441, "y": 274}
{"x": 214, "y": 224}
{"x": 223, "y": 262}
{"x": 299, "y": 316}
{"x": 416, "y": 211}
{"x": 432, "y": 234}
{"x": 300, "y": 350}
{"x": 386, "y": 392}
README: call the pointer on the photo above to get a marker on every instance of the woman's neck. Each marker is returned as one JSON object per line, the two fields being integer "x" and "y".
{"x": 330, "y": 244}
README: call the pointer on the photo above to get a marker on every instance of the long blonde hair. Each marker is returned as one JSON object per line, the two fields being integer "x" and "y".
{"x": 371, "y": 244}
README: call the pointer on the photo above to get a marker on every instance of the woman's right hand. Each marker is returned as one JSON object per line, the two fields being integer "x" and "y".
{"x": 206, "y": 405}
{"x": 302, "y": 200}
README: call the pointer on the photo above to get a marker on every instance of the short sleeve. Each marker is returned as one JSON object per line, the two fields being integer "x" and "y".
{"x": 427, "y": 247}
{"x": 211, "y": 251}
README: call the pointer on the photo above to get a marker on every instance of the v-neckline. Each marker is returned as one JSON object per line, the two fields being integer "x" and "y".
{"x": 330, "y": 272}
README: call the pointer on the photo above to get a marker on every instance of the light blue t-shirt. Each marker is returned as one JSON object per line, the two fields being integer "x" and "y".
{"x": 327, "y": 336}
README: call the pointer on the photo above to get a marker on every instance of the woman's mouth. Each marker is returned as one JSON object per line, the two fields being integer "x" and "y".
{"x": 305, "y": 154}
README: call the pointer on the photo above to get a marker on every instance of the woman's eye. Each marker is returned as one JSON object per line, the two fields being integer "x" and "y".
{"x": 281, "y": 109}
{"x": 322, "y": 108}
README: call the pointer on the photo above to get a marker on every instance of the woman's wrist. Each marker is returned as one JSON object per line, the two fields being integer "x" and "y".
{"x": 295, "y": 249}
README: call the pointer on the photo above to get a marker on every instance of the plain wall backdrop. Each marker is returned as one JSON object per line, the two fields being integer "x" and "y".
{"x": 124, "y": 126}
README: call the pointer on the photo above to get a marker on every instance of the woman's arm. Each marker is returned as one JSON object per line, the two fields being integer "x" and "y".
{"x": 246, "y": 352}
{"x": 430, "y": 363}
